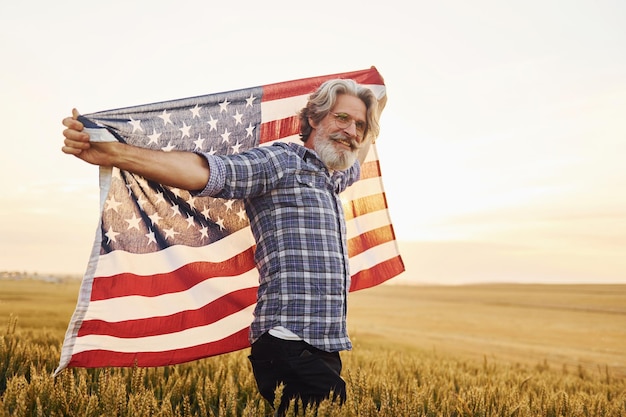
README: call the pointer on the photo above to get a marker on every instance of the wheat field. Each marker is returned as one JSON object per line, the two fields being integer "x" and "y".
{"x": 563, "y": 325}
{"x": 479, "y": 350}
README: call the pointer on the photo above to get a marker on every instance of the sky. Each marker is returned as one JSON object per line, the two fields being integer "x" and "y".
{"x": 502, "y": 142}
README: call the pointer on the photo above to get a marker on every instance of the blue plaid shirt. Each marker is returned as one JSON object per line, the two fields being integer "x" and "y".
{"x": 297, "y": 220}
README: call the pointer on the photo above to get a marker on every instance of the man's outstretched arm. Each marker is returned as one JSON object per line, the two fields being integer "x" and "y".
{"x": 185, "y": 170}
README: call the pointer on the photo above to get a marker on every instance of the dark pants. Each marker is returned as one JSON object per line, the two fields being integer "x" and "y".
{"x": 308, "y": 374}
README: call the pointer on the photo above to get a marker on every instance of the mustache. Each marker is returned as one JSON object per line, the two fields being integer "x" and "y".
{"x": 354, "y": 145}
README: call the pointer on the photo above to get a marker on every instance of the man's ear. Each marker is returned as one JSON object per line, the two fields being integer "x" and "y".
{"x": 312, "y": 123}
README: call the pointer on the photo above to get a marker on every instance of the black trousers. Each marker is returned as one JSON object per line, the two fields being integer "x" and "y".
{"x": 308, "y": 374}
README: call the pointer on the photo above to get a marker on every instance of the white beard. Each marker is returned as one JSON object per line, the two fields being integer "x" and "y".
{"x": 335, "y": 159}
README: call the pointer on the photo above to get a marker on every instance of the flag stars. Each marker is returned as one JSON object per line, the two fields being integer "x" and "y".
{"x": 165, "y": 116}
{"x": 222, "y": 127}
{"x": 133, "y": 222}
{"x": 242, "y": 215}
{"x": 190, "y": 221}
{"x": 229, "y": 204}
{"x": 155, "y": 218}
{"x": 170, "y": 233}
{"x": 111, "y": 235}
{"x": 199, "y": 142}
{"x": 236, "y": 147}
{"x": 136, "y": 124}
{"x": 160, "y": 198}
{"x": 175, "y": 210}
{"x": 151, "y": 238}
{"x": 168, "y": 148}
{"x": 212, "y": 123}
{"x": 225, "y": 136}
{"x": 195, "y": 112}
{"x": 249, "y": 130}
{"x": 154, "y": 137}
{"x": 237, "y": 116}
{"x": 185, "y": 130}
{"x": 250, "y": 100}
{"x": 112, "y": 204}
{"x": 224, "y": 105}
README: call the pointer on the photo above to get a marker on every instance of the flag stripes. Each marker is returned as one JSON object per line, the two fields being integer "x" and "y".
{"x": 159, "y": 283}
{"x": 207, "y": 314}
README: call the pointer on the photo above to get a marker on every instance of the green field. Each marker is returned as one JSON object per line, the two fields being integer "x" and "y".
{"x": 475, "y": 350}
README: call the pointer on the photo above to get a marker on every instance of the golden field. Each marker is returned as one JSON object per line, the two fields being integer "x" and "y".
{"x": 473, "y": 350}
{"x": 562, "y": 325}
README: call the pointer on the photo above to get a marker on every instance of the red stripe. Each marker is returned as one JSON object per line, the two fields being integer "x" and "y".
{"x": 279, "y": 129}
{"x": 214, "y": 311}
{"x": 377, "y": 274}
{"x": 370, "y": 170}
{"x": 308, "y": 85}
{"x": 105, "y": 358}
{"x": 370, "y": 239}
{"x": 182, "y": 279}
{"x": 364, "y": 205}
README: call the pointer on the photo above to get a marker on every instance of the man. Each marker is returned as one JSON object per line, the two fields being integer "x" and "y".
{"x": 291, "y": 194}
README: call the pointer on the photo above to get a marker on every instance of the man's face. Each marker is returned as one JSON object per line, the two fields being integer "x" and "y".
{"x": 337, "y": 138}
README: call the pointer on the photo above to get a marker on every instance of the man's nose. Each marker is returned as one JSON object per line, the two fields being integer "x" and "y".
{"x": 351, "y": 130}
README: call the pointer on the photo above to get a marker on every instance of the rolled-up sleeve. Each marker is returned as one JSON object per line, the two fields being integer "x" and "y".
{"x": 217, "y": 175}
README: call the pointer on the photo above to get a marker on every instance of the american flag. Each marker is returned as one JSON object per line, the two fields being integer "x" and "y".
{"x": 171, "y": 277}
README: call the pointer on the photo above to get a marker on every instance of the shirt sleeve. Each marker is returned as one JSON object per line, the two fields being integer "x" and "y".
{"x": 217, "y": 176}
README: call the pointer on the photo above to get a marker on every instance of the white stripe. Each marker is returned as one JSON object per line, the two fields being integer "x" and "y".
{"x": 282, "y": 108}
{"x": 379, "y": 90}
{"x": 367, "y": 222}
{"x": 372, "y": 154}
{"x": 363, "y": 188}
{"x": 174, "y": 257}
{"x": 99, "y": 135}
{"x": 373, "y": 257}
{"x": 134, "y": 307}
{"x": 179, "y": 340}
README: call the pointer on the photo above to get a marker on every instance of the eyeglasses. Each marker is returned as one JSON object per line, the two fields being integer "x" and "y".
{"x": 344, "y": 120}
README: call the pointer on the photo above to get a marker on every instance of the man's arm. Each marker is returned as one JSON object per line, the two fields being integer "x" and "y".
{"x": 185, "y": 170}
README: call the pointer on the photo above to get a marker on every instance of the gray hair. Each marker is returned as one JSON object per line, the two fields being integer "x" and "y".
{"x": 324, "y": 98}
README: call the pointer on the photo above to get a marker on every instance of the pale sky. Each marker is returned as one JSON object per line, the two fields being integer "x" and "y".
{"x": 502, "y": 144}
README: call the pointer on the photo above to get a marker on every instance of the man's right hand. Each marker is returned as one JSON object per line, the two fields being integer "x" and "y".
{"x": 77, "y": 143}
